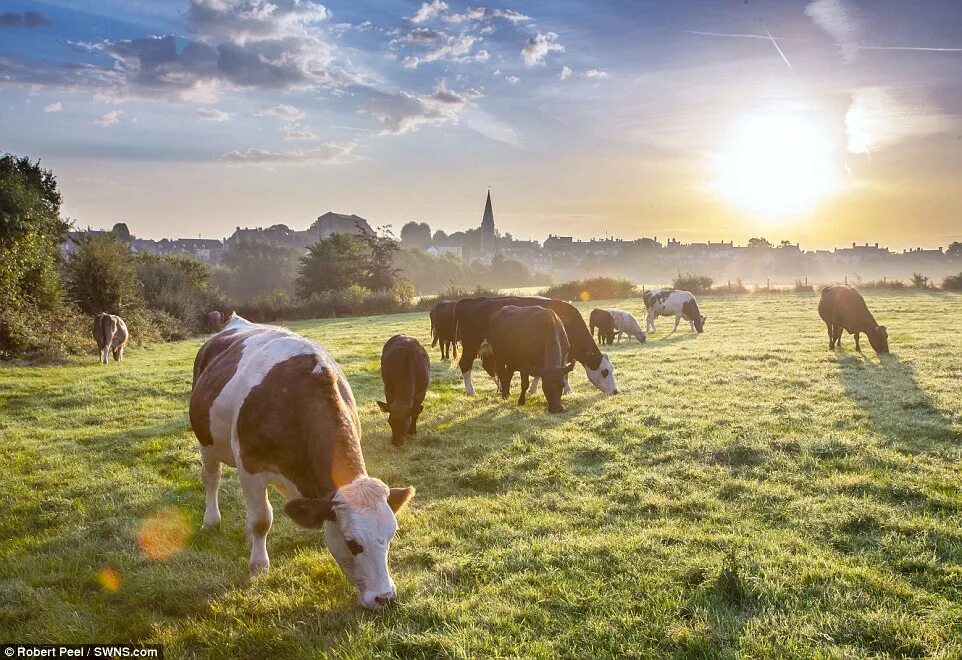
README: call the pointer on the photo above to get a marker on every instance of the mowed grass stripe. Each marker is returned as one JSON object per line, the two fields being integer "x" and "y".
{"x": 748, "y": 494}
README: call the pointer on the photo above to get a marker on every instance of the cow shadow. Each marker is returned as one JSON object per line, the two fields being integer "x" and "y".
{"x": 896, "y": 406}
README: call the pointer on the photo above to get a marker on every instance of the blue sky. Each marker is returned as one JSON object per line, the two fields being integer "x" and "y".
{"x": 671, "y": 118}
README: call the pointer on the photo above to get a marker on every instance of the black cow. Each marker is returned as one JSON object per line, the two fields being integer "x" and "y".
{"x": 601, "y": 319}
{"x": 442, "y": 328}
{"x": 843, "y": 308}
{"x": 406, "y": 372}
{"x": 533, "y": 341}
{"x": 471, "y": 320}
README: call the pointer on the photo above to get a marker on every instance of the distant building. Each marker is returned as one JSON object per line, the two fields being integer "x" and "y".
{"x": 325, "y": 225}
{"x": 488, "y": 235}
{"x": 205, "y": 249}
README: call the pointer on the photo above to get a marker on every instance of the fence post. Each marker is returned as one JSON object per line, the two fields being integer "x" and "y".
{"x": 846, "y": 280}
{"x": 768, "y": 284}
{"x": 806, "y": 281}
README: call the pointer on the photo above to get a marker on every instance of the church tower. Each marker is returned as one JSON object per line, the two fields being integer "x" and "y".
{"x": 487, "y": 231}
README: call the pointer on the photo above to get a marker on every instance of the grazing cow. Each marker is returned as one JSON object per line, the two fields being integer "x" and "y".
{"x": 406, "y": 372}
{"x": 278, "y": 408}
{"x": 843, "y": 308}
{"x": 625, "y": 323}
{"x": 214, "y": 321}
{"x": 111, "y": 335}
{"x": 601, "y": 319}
{"x": 680, "y": 304}
{"x": 531, "y": 340}
{"x": 442, "y": 328}
{"x": 471, "y": 322}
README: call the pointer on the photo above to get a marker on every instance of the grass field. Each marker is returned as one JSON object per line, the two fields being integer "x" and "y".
{"x": 748, "y": 494}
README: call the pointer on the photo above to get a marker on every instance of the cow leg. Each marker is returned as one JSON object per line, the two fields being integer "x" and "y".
{"x": 210, "y": 471}
{"x": 831, "y": 343}
{"x": 838, "y": 336}
{"x": 504, "y": 376}
{"x": 857, "y": 347}
{"x": 118, "y": 354}
{"x": 534, "y": 385}
{"x": 677, "y": 321}
{"x": 650, "y": 322}
{"x": 618, "y": 335}
{"x": 524, "y": 387}
{"x": 259, "y": 519}
{"x": 567, "y": 387}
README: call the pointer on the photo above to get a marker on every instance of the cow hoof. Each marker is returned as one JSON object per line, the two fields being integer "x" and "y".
{"x": 211, "y": 526}
{"x": 397, "y": 443}
{"x": 258, "y": 568}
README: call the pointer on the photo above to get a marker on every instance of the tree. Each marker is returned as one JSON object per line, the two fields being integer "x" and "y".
{"x": 256, "y": 268}
{"x": 439, "y": 236}
{"x": 383, "y": 249}
{"x": 955, "y": 249}
{"x": 759, "y": 243}
{"x": 333, "y": 264}
{"x": 416, "y": 234}
{"x": 101, "y": 277}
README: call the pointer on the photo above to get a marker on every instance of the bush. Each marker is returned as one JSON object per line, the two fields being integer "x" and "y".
{"x": 101, "y": 277}
{"x": 737, "y": 287}
{"x": 894, "y": 285}
{"x": 803, "y": 287}
{"x": 952, "y": 283}
{"x": 179, "y": 287}
{"x": 920, "y": 281}
{"x": 692, "y": 283}
{"x": 595, "y": 288}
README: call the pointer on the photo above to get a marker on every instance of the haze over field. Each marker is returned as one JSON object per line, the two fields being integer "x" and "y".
{"x": 824, "y": 122}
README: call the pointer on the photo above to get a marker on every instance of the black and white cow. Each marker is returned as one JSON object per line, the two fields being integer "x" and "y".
{"x": 278, "y": 408}
{"x": 680, "y": 304}
{"x": 626, "y": 324}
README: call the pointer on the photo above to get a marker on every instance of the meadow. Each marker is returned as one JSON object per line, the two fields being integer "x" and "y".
{"x": 748, "y": 494}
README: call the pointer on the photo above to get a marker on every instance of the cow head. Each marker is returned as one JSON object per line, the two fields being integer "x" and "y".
{"x": 402, "y": 419}
{"x": 641, "y": 336}
{"x": 552, "y": 384}
{"x": 486, "y": 353}
{"x": 604, "y": 376}
{"x": 879, "y": 339}
{"x": 700, "y": 323}
{"x": 359, "y": 523}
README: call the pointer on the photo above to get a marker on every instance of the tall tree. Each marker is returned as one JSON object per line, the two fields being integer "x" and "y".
{"x": 102, "y": 277}
{"x": 955, "y": 249}
{"x": 333, "y": 264}
{"x": 416, "y": 234}
{"x": 257, "y": 268}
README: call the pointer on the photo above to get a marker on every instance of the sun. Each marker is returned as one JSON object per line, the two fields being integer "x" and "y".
{"x": 777, "y": 166}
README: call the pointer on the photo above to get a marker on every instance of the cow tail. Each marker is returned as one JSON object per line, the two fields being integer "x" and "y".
{"x": 434, "y": 335}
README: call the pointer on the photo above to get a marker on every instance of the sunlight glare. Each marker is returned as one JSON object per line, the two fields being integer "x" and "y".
{"x": 776, "y": 165}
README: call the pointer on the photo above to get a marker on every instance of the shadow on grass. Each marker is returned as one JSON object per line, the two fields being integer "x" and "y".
{"x": 896, "y": 406}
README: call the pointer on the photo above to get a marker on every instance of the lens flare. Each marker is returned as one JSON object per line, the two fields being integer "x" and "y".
{"x": 585, "y": 296}
{"x": 164, "y": 533}
{"x": 109, "y": 579}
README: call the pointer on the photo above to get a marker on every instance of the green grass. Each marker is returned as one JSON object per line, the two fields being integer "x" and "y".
{"x": 749, "y": 494}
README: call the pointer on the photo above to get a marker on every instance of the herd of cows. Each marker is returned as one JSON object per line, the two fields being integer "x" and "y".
{"x": 278, "y": 408}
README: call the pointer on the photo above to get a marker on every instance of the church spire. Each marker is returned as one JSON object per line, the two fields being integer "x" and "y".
{"x": 487, "y": 231}
{"x": 487, "y": 220}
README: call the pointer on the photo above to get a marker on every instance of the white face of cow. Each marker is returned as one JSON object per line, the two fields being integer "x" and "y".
{"x": 604, "y": 376}
{"x": 359, "y": 523}
{"x": 359, "y": 540}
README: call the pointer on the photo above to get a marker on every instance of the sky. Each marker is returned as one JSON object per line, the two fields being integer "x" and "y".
{"x": 823, "y": 122}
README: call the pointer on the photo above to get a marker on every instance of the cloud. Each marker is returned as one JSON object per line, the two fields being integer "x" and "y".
{"x": 56, "y": 106}
{"x": 213, "y": 114}
{"x": 565, "y": 72}
{"x": 514, "y": 80}
{"x": 327, "y": 154}
{"x": 537, "y": 48}
{"x": 298, "y": 132}
{"x": 410, "y": 62}
{"x": 596, "y": 73}
{"x": 840, "y": 22}
{"x": 108, "y": 118}
{"x": 429, "y": 10}
{"x": 404, "y": 112}
{"x": 285, "y": 112}
{"x": 879, "y": 117}
{"x": 28, "y": 19}
{"x": 239, "y": 44}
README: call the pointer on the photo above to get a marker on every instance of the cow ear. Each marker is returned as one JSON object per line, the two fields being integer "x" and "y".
{"x": 383, "y": 406}
{"x": 310, "y": 512}
{"x": 570, "y": 367}
{"x": 398, "y": 497}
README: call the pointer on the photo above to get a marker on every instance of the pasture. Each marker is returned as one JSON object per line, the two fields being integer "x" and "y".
{"x": 749, "y": 493}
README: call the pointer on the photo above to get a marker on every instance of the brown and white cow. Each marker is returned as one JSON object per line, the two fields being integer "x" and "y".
{"x": 110, "y": 333}
{"x": 278, "y": 408}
